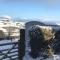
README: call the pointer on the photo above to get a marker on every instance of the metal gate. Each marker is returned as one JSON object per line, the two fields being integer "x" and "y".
{"x": 8, "y": 50}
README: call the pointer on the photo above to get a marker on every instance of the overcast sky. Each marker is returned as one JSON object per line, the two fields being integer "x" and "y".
{"x": 46, "y": 10}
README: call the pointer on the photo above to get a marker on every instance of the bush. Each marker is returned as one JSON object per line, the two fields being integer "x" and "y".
{"x": 39, "y": 39}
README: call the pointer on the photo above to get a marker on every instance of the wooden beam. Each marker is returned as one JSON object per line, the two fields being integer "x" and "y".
{"x": 21, "y": 44}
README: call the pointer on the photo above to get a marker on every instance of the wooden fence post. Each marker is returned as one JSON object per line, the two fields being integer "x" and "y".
{"x": 21, "y": 44}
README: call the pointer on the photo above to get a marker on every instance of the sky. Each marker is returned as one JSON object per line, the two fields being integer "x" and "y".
{"x": 46, "y": 10}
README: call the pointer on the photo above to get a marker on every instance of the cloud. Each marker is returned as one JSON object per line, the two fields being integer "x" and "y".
{"x": 4, "y": 17}
{"x": 50, "y": 18}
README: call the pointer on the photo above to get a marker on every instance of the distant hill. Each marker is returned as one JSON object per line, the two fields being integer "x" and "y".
{"x": 28, "y": 20}
{"x": 49, "y": 23}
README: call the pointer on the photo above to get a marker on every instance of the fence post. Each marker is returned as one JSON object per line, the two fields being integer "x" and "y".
{"x": 21, "y": 44}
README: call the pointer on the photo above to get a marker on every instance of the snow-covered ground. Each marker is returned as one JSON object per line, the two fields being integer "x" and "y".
{"x": 27, "y": 56}
{"x": 55, "y": 57}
